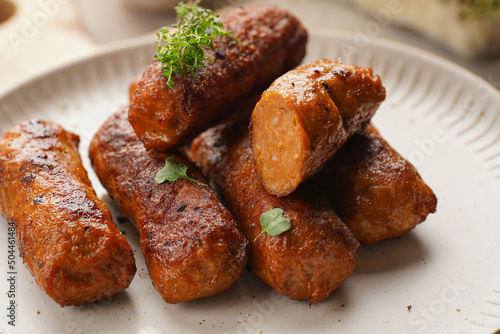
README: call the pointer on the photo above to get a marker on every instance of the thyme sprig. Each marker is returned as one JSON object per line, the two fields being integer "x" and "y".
{"x": 183, "y": 50}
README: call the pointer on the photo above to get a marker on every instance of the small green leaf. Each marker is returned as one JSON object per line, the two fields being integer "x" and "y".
{"x": 183, "y": 51}
{"x": 273, "y": 223}
{"x": 173, "y": 171}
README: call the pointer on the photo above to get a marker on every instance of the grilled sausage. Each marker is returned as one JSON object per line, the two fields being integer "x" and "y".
{"x": 272, "y": 42}
{"x": 374, "y": 190}
{"x": 305, "y": 116}
{"x": 133, "y": 86}
{"x": 309, "y": 261}
{"x": 66, "y": 236}
{"x": 190, "y": 241}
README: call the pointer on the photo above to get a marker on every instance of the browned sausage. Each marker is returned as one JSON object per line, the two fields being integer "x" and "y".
{"x": 133, "y": 85}
{"x": 273, "y": 41}
{"x": 305, "y": 116}
{"x": 309, "y": 261}
{"x": 376, "y": 192}
{"x": 66, "y": 236}
{"x": 190, "y": 241}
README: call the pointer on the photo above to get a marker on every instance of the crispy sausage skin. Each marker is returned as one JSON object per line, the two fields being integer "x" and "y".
{"x": 65, "y": 233}
{"x": 272, "y": 42}
{"x": 309, "y": 261}
{"x": 374, "y": 190}
{"x": 133, "y": 85}
{"x": 305, "y": 116}
{"x": 191, "y": 243}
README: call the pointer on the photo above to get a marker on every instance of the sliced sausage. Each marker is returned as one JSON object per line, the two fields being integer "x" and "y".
{"x": 305, "y": 116}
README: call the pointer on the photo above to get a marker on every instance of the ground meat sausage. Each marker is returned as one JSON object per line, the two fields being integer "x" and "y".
{"x": 191, "y": 243}
{"x": 272, "y": 42}
{"x": 65, "y": 233}
{"x": 374, "y": 190}
{"x": 305, "y": 116}
{"x": 309, "y": 261}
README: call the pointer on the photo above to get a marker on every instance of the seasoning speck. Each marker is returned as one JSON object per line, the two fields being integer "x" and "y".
{"x": 408, "y": 307}
{"x": 38, "y": 199}
{"x": 181, "y": 207}
{"x": 144, "y": 275}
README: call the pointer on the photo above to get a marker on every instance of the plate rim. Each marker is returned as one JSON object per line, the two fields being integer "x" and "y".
{"x": 101, "y": 51}
{"x": 145, "y": 40}
{"x": 408, "y": 48}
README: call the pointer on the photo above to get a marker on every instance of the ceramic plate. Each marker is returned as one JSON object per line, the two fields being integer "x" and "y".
{"x": 443, "y": 277}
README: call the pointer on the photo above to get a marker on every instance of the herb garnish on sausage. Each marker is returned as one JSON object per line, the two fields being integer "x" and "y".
{"x": 183, "y": 50}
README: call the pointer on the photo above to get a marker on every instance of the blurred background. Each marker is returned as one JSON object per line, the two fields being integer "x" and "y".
{"x": 38, "y": 35}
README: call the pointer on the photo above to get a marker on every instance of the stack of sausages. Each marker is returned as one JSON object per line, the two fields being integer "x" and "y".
{"x": 309, "y": 130}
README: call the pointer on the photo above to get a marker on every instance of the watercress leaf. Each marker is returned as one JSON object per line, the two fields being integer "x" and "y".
{"x": 173, "y": 171}
{"x": 273, "y": 223}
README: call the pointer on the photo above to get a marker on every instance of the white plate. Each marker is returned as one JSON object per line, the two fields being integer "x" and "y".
{"x": 441, "y": 117}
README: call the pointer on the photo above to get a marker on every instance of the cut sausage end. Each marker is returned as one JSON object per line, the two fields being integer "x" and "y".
{"x": 279, "y": 144}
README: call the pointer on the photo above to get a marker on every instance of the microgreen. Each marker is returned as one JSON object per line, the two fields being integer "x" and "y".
{"x": 273, "y": 223}
{"x": 173, "y": 171}
{"x": 183, "y": 50}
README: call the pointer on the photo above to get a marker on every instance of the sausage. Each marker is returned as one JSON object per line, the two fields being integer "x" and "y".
{"x": 272, "y": 42}
{"x": 133, "y": 85}
{"x": 309, "y": 261}
{"x": 65, "y": 233}
{"x": 190, "y": 241}
{"x": 374, "y": 190}
{"x": 305, "y": 116}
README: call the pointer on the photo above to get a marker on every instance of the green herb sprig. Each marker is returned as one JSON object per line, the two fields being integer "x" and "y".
{"x": 183, "y": 50}
{"x": 273, "y": 223}
{"x": 173, "y": 171}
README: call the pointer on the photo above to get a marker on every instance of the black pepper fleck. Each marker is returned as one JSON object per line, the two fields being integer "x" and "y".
{"x": 28, "y": 178}
{"x": 38, "y": 199}
{"x": 221, "y": 54}
{"x": 181, "y": 207}
{"x": 326, "y": 86}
